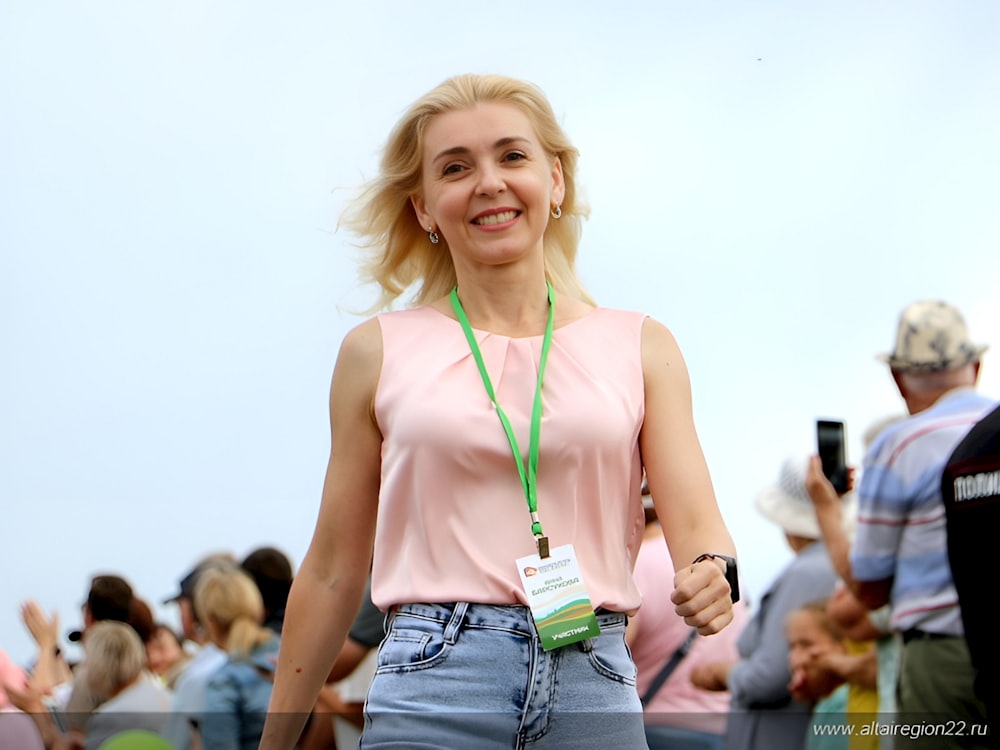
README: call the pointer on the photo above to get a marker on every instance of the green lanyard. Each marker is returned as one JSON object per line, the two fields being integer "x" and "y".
{"x": 529, "y": 479}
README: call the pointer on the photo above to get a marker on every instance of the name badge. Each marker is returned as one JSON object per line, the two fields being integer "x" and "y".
{"x": 557, "y": 598}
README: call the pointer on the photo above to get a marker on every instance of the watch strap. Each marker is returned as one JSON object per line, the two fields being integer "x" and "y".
{"x": 732, "y": 576}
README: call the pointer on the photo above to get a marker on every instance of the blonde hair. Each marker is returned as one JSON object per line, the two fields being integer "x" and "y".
{"x": 229, "y": 599}
{"x": 399, "y": 252}
{"x": 116, "y": 656}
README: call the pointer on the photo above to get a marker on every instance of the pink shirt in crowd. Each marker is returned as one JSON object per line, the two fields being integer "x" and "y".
{"x": 657, "y": 631}
{"x": 10, "y": 674}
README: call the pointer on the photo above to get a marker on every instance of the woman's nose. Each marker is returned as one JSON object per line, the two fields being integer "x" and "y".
{"x": 491, "y": 180}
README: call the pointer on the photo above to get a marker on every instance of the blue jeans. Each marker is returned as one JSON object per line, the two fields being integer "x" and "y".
{"x": 471, "y": 676}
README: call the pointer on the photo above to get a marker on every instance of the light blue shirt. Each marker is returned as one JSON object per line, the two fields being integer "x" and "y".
{"x": 190, "y": 695}
{"x": 901, "y": 531}
{"x": 237, "y": 699}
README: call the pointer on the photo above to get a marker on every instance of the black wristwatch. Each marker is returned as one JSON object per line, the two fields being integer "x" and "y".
{"x": 731, "y": 577}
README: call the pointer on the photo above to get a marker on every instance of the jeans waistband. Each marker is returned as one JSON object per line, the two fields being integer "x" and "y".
{"x": 511, "y": 617}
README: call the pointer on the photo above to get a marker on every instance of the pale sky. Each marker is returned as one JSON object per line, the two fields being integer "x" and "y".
{"x": 773, "y": 180}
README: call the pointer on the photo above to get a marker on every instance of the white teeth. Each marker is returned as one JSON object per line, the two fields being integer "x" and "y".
{"x": 496, "y": 218}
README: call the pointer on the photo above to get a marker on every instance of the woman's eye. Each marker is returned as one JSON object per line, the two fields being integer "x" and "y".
{"x": 452, "y": 169}
{"x": 514, "y": 156}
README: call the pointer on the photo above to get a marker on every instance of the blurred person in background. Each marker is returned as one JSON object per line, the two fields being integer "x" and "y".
{"x": 863, "y": 629}
{"x": 899, "y": 556}
{"x": 110, "y": 599}
{"x": 116, "y": 670}
{"x": 971, "y": 490}
{"x": 678, "y": 715}
{"x": 230, "y": 606}
{"x": 166, "y": 655}
{"x": 763, "y": 714}
{"x": 272, "y": 571}
{"x": 190, "y": 686}
{"x": 10, "y": 674}
{"x": 18, "y": 730}
{"x": 814, "y": 637}
{"x": 50, "y": 673}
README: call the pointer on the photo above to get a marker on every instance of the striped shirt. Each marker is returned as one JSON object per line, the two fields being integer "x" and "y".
{"x": 901, "y": 530}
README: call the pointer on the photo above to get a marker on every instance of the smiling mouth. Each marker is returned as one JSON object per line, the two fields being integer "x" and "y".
{"x": 493, "y": 219}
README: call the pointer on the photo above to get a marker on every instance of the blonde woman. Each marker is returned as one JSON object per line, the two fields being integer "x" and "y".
{"x": 116, "y": 668}
{"x": 229, "y": 605}
{"x": 494, "y": 431}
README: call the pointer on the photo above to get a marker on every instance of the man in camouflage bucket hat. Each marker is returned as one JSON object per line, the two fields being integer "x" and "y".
{"x": 900, "y": 553}
{"x": 932, "y": 336}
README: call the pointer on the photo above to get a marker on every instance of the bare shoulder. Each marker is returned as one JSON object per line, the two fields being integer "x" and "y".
{"x": 659, "y": 349}
{"x": 356, "y": 374}
{"x": 361, "y": 348}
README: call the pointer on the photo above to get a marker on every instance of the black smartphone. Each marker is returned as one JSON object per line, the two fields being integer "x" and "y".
{"x": 832, "y": 452}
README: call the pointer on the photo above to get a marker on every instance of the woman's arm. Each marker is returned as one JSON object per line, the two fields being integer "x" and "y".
{"x": 327, "y": 589}
{"x": 680, "y": 484}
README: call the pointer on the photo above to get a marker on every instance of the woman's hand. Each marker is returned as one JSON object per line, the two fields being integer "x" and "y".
{"x": 702, "y": 597}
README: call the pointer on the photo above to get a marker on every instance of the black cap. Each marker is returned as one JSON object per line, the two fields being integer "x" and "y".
{"x": 187, "y": 586}
{"x": 188, "y": 582}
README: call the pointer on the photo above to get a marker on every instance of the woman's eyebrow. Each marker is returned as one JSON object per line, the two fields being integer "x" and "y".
{"x": 460, "y": 150}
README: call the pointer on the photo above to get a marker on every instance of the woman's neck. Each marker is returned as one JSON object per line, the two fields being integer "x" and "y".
{"x": 511, "y": 301}
{"x": 508, "y": 307}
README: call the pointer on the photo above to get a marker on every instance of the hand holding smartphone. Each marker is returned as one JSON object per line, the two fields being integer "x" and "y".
{"x": 830, "y": 444}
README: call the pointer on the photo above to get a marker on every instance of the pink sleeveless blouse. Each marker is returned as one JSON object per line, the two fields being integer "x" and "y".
{"x": 452, "y": 514}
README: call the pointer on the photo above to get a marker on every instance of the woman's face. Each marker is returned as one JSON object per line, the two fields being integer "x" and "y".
{"x": 488, "y": 185}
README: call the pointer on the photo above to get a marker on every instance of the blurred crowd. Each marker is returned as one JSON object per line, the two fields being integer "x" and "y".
{"x": 206, "y": 686}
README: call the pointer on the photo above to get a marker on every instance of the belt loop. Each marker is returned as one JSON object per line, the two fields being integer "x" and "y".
{"x": 455, "y": 622}
{"x": 390, "y": 615}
